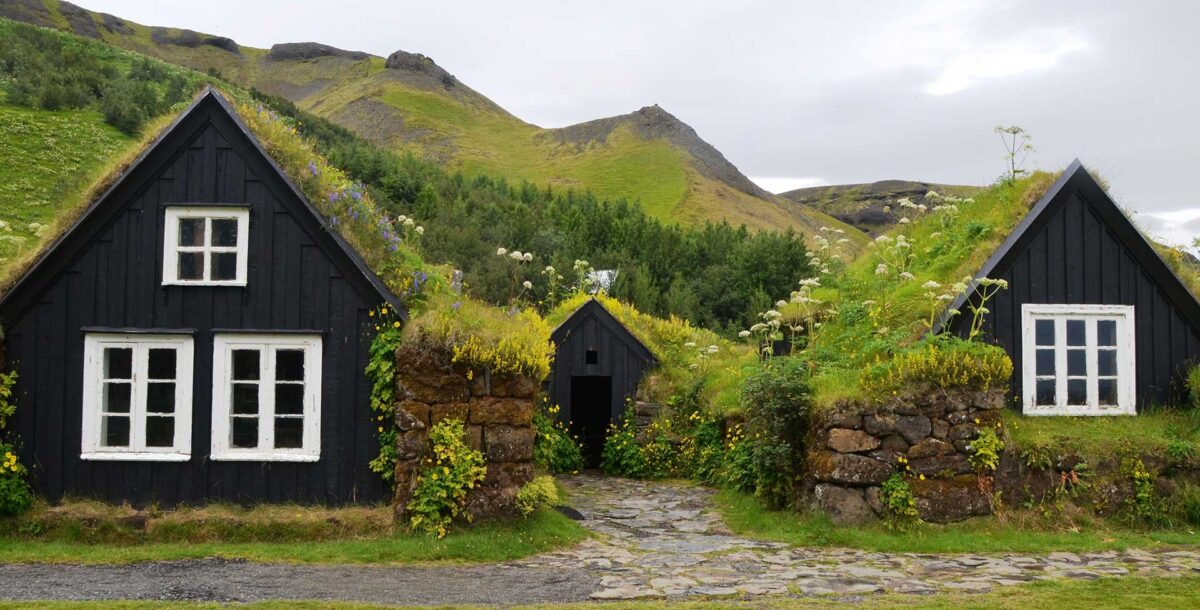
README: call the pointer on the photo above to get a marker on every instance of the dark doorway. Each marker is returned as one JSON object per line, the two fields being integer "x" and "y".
{"x": 591, "y": 412}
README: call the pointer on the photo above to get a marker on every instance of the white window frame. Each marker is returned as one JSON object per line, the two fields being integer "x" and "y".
{"x": 1126, "y": 358}
{"x": 94, "y": 345}
{"x": 222, "y": 429}
{"x": 172, "y": 249}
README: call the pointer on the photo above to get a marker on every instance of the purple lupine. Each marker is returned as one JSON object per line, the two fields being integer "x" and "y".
{"x": 455, "y": 305}
{"x": 312, "y": 167}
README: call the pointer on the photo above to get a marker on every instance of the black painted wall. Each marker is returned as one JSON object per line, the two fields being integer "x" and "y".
{"x": 107, "y": 272}
{"x": 618, "y": 354}
{"x": 1082, "y": 249}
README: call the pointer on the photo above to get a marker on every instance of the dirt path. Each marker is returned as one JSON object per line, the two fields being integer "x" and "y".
{"x": 659, "y": 540}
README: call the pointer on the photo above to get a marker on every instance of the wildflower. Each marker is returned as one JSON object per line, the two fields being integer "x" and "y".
{"x": 455, "y": 305}
{"x": 383, "y": 311}
{"x": 396, "y": 324}
{"x": 904, "y": 275}
{"x": 743, "y": 334}
{"x": 527, "y": 284}
{"x": 528, "y": 256}
{"x": 501, "y": 251}
{"x": 931, "y": 285}
{"x": 420, "y": 230}
{"x": 516, "y": 255}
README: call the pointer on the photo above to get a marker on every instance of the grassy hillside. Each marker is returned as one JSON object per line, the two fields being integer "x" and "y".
{"x": 862, "y": 205}
{"x": 412, "y": 105}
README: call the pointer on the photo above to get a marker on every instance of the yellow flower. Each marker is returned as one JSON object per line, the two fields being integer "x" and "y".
{"x": 381, "y": 428}
{"x": 433, "y": 476}
{"x": 445, "y": 470}
{"x": 922, "y": 477}
{"x": 395, "y": 325}
{"x": 383, "y": 311}
{"x": 371, "y": 313}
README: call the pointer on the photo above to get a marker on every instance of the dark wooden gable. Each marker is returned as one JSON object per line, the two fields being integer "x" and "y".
{"x": 618, "y": 354}
{"x": 105, "y": 273}
{"x": 1077, "y": 246}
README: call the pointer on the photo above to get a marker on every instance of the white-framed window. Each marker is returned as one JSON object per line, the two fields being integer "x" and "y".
{"x": 1078, "y": 360}
{"x": 137, "y": 397}
{"x": 206, "y": 246}
{"x": 266, "y": 397}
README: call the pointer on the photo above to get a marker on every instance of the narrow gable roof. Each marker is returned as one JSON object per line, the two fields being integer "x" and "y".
{"x": 209, "y": 105}
{"x": 594, "y": 309}
{"x": 1075, "y": 181}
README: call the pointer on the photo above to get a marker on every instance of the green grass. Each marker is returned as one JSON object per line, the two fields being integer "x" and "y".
{"x": 1157, "y": 431}
{"x": 545, "y": 530}
{"x": 1129, "y": 592}
{"x": 49, "y": 158}
{"x": 1023, "y": 532}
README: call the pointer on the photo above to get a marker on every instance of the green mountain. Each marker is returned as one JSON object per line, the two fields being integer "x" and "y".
{"x": 410, "y": 104}
{"x": 863, "y": 205}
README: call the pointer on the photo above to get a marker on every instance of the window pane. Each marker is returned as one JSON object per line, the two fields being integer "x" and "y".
{"x": 118, "y": 363}
{"x": 116, "y": 397}
{"x": 224, "y": 266}
{"x": 1077, "y": 391}
{"x": 1107, "y": 362}
{"x": 1108, "y": 392}
{"x": 289, "y": 365}
{"x": 1045, "y": 392}
{"x": 1106, "y": 332}
{"x": 245, "y": 398}
{"x": 1076, "y": 332}
{"x": 1076, "y": 362}
{"x": 1044, "y": 329}
{"x": 161, "y": 364}
{"x": 224, "y": 232}
{"x": 160, "y": 397}
{"x": 245, "y": 432}
{"x": 191, "y": 266}
{"x": 245, "y": 364}
{"x": 289, "y": 432}
{"x": 114, "y": 430}
{"x": 1045, "y": 362}
{"x": 191, "y": 231}
{"x": 289, "y": 398}
{"x": 160, "y": 431}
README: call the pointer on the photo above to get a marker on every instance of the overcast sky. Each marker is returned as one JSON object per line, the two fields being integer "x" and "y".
{"x": 805, "y": 93}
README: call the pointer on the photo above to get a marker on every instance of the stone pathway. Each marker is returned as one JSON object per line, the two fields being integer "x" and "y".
{"x": 658, "y": 540}
{"x": 665, "y": 540}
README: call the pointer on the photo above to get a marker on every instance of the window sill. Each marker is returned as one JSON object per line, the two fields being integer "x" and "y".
{"x": 1077, "y": 411}
{"x": 260, "y": 456}
{"x": 234, "y": 284}
{"x": 134, "y": 456}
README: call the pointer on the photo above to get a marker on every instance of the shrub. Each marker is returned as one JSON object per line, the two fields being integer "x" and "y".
{"x": 622, "y": 455}
{"x": 777, "y": 400}
{"x": 536, "y": 493}
{"x": 1187, "y": 504}
{"x": 554, "y": 448}
{"x": 442, "y": 486}
{"x": 899, "y": 504}
{"x": 15, "y": 496}
{"x": 945, "y": 363}
{"x": 985, "y": 451}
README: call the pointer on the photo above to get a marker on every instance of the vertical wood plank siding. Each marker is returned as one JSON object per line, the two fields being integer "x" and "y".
{"x": 619, "y": 355}
{"x": 296, "y": 281}
{"x": 1075, "y": 254}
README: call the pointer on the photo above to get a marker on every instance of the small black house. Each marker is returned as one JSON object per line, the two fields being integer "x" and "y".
{"x": 1094, "y": 320}
{"x": 598, "y": 364}
{"x": 198, "y": 334}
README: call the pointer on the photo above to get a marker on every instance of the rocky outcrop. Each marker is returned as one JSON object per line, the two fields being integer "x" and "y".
{"x": 855, "y": 448}
{"x": 420, "y": 64}
{"x": 301, "y": 51}
{"x": 497, "y": 413}
{"x": 191, "y": 38}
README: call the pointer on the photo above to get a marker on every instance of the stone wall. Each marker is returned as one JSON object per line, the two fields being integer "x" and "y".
{"x": 497, "y": 413}
{"x": 853, "y": 449}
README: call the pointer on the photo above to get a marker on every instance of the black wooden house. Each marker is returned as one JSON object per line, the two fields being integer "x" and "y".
{"x": 598, "y": 364}
{"x": 198, "y": 334}
{"x": 1096, "y": 323}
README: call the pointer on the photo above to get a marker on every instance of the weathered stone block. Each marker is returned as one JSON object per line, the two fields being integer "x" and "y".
{"x": 894, "y": 443}
{"x": 962, "y": 431}
{"x": 939, "y": 429}
{"x": 502, "y": 411}
{"x": 913, "y": 427}
{"x": 848, "y": 468}
{"x": 871, "y": 495}
{"x": 946, "y": 500}
{"x": 504, "y": 386}
{"x": 508, "y": 444}
{"x": 954, "y": 463}
{"x": 432, "y": 387}
{"x": 844, "y": 440}
{"x": 450, "y": 410}
{"x": 844, "y": 506}
{"x": 930, "y": 447}
{"x": 491, "y": 502}
{"x": 843, "y": 420}
{"x": 881, "y": 424}
{"x": 508, "y": 474}
{"x": 411, "y": 415}
{"x": 474, "y": 436}
{"x": 411, "y": 444}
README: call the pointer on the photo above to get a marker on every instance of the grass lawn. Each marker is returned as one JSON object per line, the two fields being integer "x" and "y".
{"x": 1131, "y": 592}
{"x": 1157, "y": 431}
{"x": 1020, "y": 532}
{"x": 545, "y": 530}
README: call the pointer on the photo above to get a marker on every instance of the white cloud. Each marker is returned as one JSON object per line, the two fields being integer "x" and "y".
{"x": 782, "y": 184}
{"x": 1005, "y": 59}
{"x": 1175, "y": 228}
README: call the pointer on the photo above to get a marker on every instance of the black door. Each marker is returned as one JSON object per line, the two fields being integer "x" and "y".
{"x": 591, "y": 412}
